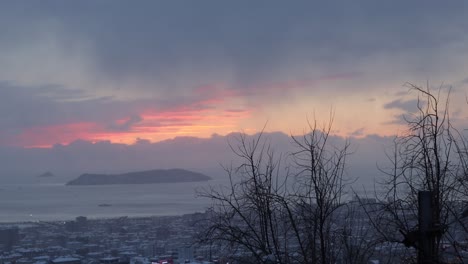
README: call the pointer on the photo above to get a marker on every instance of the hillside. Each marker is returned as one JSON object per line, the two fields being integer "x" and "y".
{"x": 142, "y": 177}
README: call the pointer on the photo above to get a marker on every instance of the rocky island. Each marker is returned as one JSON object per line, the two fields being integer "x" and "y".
{"x": 46, "y": 175}
{"x": 142, "y": 177}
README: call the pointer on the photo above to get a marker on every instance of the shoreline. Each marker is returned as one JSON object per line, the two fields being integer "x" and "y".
{"x": 97, "y": 219}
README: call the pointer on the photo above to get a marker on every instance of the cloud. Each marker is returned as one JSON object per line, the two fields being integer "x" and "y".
{"x": 358, "y": 133}
{"x": 28, "y": 107}
{"x": 176, "y": 65}
{"x": 409, "y": 106}
{"x": 133, "y": 46}
{"x": 125, "y": 125}
{"x": 45, "y": 115}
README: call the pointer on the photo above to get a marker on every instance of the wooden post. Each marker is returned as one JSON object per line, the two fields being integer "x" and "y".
{"x": 426, "y": 234}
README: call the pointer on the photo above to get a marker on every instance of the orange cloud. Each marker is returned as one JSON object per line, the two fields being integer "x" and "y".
{"x": 150, "y": 124}
{"x": 45, "y": 136}
{"x": 209, "y": 109}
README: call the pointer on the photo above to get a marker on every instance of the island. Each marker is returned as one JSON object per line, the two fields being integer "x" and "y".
{"x": 46, "y": 175}
{"x": 142, "y": 177}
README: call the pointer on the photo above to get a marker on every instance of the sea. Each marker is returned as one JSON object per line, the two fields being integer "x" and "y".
{"x": 57, "y": 201}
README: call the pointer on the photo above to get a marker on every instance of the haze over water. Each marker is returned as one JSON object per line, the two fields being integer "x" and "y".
{"x": 47, "y": 202}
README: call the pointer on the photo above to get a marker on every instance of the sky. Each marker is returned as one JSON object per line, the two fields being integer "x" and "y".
{"x": 126, "y": 72}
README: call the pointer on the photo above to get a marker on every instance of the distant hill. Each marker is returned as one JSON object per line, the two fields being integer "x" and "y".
{"x": 46, "y": 175}
{"x": 142, "y": 177}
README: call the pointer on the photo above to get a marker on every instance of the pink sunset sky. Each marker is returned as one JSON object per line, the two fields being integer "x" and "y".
{"x": 151, "y": 70}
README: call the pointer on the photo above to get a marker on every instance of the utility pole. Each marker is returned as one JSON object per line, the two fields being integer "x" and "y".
{"x": 425, "y": 239}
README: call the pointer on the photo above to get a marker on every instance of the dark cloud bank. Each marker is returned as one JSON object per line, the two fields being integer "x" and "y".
{"x": 244, "y": 41}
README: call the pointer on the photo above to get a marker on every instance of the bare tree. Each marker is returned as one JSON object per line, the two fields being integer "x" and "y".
{"x": 320, "y": 171}
{"x": 281, "y": 214}
{"x": 246, "y": 215}
{"x": 295, "y": 213}
{"x": 427, "y": 158}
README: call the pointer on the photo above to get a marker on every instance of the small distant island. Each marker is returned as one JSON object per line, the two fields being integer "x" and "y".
{"x": 142, "y": 177}
{"x": 46, "y": 175}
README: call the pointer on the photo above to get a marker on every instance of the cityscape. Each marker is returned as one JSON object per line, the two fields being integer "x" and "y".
{"x": 233, "y": 132}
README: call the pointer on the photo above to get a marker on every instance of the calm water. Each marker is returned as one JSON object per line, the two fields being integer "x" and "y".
{"x": 59, "y": 202}
{"x": 46, "y": 201}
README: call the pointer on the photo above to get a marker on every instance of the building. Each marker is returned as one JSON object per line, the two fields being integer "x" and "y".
{"x": 66, "y": 260}
{"x": 8, "y": 238}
